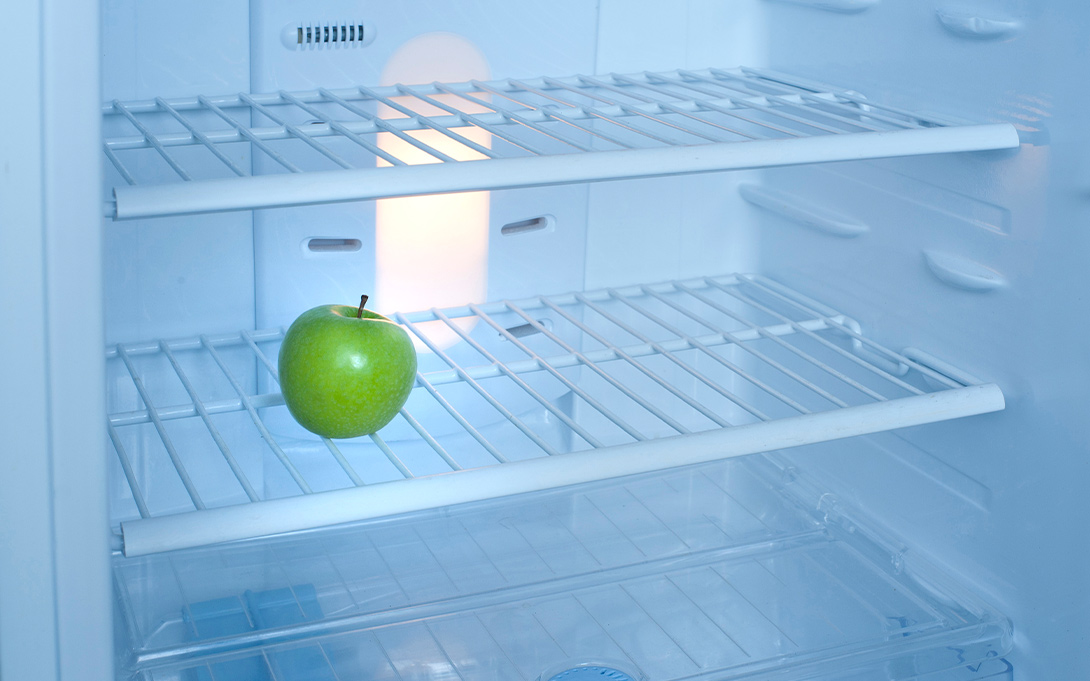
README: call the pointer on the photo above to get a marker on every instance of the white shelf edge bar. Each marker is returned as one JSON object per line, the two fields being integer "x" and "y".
{"x": 180, "y": 157}
{"x": 153, "y": 535}
{"x": 275, "y": 191}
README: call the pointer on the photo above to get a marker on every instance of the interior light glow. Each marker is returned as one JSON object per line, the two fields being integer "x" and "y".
{"x": 432, "y": 251}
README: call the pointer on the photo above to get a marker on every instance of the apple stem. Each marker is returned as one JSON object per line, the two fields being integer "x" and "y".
{"x": 363, "y": 301}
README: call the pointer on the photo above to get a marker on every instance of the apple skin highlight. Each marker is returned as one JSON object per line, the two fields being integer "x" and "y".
{"x": 343, "y": 377}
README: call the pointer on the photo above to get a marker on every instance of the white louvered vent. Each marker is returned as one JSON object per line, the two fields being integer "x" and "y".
{"x": 327, "y": 35}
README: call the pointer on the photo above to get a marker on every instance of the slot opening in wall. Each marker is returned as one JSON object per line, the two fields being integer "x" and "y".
{"x": 333, "y": 245}
{"x": 523, "y": 330}
{"x": 526, "y": 226}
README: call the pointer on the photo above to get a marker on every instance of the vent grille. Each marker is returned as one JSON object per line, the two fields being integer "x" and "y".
{"x": 304, "y": 36}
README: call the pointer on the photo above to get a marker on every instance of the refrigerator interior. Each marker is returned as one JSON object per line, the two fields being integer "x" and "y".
{"x": 614, "y": 302}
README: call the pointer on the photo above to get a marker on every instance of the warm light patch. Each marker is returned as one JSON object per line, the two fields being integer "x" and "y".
{"x": 432, "y": 251}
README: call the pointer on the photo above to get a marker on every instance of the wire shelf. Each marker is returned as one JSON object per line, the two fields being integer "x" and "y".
{"x": 245, "y": 151}
{"x": 510, "y": 397}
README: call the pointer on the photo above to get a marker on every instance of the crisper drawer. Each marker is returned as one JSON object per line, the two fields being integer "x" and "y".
{"x": 718, "y": 571}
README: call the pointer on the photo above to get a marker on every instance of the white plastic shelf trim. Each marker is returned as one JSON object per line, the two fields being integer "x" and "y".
{"x": 511, "y": 397}
{"x": 243, "y": 151}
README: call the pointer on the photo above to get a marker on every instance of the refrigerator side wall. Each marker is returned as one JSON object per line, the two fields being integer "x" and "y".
{"x": 991, "y": 497}
{"x": 54, "y": 579}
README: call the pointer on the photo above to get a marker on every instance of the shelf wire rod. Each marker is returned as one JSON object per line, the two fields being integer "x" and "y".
{"x": 333, "y": 449}
{"x": 340, "y": 128}
{"x": 544, "y": 111}
{"x": 692, "y": 343}
{"x": 425, "y": 121}
{"x": 647, "y": 100}
{"x": 933, "y": 120}
{"x": 514, "y": 117}
{"x": 126, "y": 467}
{"x": 857, "y": 337}
{"x": 473, "y": 432}
{"x": 787, "y": 98}
{"x": 770, "y": 80}
{"x": 878, "y": 349}
{"x": 249, "y": 405}
{"x": 753, "y": 351}
{"x": 704, "y": 104}
{"x": 784, "y": 98}
{"x": 203, "y": 413}
{"x": 808, "y": 358}
{"x": 516, "y": 421}
{"x": 594, "y": 113}
{"x": 471, "y": 118}
{"x": 673, "y": 358}
{"x": 461, "y": 116}
{"x": 153, "y": 414}
{"x": 663, "y": 383}
{"x": 723, "y": 360}
{"x": 787, "y": 101}
{"x": 587, "y": 362}
{"x": 261, "y": 356}
{"x": 295, "y": 132}
{"x": 832, "y": 346}
{"x": 125, "y": 174}
{"x": 431, "y": 441}
{"x": 808, "y": 307}
{"x": 152, "y": 140}
{"x": 248, "y": 135}
{"x": 200, "y": 137}
{"x": 541, "y": 399}
{"x": 544, "y": 364}
{"x": 662, "y": 105}
{"x": 746, "y": 104}
{"x": 383, "y": 125}
{"x": 613, "y": 120}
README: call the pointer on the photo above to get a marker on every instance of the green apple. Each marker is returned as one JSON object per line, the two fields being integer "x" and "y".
{"x": 345, "y": 371}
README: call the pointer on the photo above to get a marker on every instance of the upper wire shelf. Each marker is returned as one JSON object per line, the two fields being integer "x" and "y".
{"x": 511, "y": 397}
{"x": 244, "y": 151}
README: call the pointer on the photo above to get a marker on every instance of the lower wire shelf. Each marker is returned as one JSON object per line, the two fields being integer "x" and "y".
{"x": 511, "y": 397}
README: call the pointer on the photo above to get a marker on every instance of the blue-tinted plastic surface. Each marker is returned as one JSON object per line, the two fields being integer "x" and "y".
{"x": 591, "y": 673}
{"x": 256, "y": 610}
{"x": 710, "y": 572}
